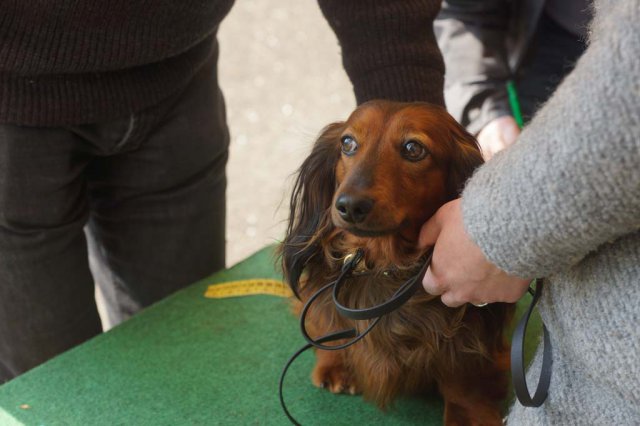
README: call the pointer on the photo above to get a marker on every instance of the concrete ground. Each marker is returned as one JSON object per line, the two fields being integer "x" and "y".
{"x": 282, "y": 77}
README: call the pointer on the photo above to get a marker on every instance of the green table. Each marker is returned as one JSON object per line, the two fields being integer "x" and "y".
{"x": 191, "y": 360}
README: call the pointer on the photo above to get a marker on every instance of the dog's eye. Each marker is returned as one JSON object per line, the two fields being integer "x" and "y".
{"x": 349, "y": 145}
{"x": 413, "y": 150}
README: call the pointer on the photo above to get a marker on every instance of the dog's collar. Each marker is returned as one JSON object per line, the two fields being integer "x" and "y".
{"x": 360, "y": 268}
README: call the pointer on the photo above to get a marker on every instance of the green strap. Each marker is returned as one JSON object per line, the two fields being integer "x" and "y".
{"x": 514, "y": 103}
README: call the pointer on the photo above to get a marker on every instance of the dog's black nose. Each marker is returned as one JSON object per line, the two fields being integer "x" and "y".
{"x": 352, "y": 208}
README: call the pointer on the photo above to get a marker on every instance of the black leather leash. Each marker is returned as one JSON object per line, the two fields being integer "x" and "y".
{"x": 404, "y": 292}
{"x": 518, "y": 367}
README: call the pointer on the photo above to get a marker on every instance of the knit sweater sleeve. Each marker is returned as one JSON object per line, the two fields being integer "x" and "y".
{"x": 389, "y": 48}
{"x": 572, "y": 181}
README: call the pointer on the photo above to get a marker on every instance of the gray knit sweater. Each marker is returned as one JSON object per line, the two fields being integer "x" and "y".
{"x": 564, "y": 203}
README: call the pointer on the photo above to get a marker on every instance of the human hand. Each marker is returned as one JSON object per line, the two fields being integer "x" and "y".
{"x": 497, "y": 135}
{"x": 459, "y": 271}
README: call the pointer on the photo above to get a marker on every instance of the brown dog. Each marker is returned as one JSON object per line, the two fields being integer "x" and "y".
{"x": 370, "y": 183}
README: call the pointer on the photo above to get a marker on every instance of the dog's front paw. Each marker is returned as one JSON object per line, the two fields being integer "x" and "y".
{"x": 334, "y": 377}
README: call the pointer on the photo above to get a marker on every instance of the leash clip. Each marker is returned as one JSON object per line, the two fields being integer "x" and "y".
{"x": 352, "y": 261}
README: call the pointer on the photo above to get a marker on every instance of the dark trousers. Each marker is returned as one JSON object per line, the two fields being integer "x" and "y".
{"x": 552, "y": 55}
{"x": 149, "y": 189}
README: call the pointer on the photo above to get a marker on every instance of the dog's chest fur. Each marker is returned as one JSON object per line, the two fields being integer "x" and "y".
{"x": 410, "y": 348}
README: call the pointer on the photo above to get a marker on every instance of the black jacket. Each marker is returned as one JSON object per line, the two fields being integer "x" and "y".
{"x": 483, "y": 43}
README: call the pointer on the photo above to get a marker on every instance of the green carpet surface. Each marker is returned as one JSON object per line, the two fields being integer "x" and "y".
{"x": 190, "y": 360}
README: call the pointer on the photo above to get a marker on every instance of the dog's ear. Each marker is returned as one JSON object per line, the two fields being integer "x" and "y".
{"x": 466, "y": 158}
{"x": 310, "y": 205}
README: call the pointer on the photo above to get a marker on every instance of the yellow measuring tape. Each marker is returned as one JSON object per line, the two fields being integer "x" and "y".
{"x": 248, "y": 288}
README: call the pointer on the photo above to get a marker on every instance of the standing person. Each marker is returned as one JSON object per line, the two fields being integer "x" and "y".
{"x": 487, "y": 43}
{"x": 564, "y": 204}
{"x": 111, "y": 117}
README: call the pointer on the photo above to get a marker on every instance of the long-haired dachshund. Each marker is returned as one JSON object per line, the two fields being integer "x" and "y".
{"x": 370, "y": 183}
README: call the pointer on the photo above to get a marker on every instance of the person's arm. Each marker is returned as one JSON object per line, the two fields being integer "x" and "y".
{"x": 389, "y": 49}
{"x": 471, "y": 35}
{"x": 572, "y": 182}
